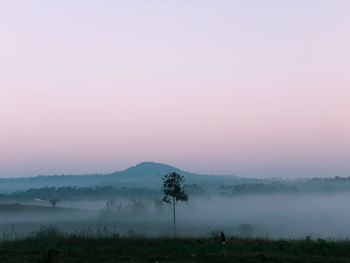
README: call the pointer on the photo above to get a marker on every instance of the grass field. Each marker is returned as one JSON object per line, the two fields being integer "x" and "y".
{"x": 136, "y": 248}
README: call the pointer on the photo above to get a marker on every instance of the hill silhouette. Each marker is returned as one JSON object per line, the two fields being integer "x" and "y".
{"x": 145, "y": 175}
{"x": 149, "y": 169}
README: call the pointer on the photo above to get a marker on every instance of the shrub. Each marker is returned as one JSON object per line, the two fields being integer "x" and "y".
{"x": 47, "y": 232}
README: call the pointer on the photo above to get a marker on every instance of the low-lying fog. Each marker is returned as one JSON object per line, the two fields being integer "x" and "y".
{"x": 273, "y": 216}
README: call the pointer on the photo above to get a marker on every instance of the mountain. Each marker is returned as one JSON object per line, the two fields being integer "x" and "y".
{"x": 149, "y": 175}
{"x": 149, "y": 169}
{"x": 145, "y": 174}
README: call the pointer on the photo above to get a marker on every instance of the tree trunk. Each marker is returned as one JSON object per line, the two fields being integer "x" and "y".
{"x": 174, "y": 216}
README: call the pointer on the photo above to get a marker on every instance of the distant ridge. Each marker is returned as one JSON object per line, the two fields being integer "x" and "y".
{"x": 150, "y": 168}
{"x": 142, "y": 175}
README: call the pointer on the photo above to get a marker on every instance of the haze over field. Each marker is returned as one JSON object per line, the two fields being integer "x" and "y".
{"x": 255, "y": 89}
{"x": 272, "y": 216}
{"x": 129, "y": 201}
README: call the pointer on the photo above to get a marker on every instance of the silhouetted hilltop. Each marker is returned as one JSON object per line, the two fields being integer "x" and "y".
{"x": 148, "y": 175}
{"x": 149, "y": 169}
{"x": 145, "y": 174}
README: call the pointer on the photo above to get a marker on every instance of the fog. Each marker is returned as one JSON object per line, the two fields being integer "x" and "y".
{"x": 275, "y": 216}
{"x": 271, "y": 216}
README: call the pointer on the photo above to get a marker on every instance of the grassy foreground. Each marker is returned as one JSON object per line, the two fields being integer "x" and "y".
{"x": 139, "y": 249}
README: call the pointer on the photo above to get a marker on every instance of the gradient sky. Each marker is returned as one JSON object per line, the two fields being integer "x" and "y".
{"x": 252, "y": 88}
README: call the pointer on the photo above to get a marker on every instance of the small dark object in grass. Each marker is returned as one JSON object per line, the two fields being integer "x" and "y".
{"x": 222, "y": 237}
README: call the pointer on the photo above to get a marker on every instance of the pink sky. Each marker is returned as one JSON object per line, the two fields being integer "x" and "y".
{"x": 253, "y": 88}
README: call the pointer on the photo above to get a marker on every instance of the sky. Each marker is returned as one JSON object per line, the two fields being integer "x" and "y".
{"x": 251, "y": 88}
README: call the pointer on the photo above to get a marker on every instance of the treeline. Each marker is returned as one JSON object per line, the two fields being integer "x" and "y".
{"x": 258, "y": 188}
{"x": 73, "y": 193}
{"x": 98, "y": 192}
{"x": 315, "y": 185}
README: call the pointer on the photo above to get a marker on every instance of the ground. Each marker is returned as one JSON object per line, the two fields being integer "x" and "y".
{"x": 73, "y": 249}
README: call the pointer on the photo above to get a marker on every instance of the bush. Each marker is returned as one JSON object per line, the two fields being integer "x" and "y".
{"x": 47, "y": 232}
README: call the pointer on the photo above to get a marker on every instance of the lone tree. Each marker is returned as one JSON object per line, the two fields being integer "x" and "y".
{"x": 173, "y": 192}
{"x": 53, "y": 201}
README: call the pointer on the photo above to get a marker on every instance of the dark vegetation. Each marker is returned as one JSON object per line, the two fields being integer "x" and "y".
{"x": 314, "y": 185}
{"x": 77, "y": 193}
{"x": 103, "y": 192}
{"x": 137, "y": 248}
